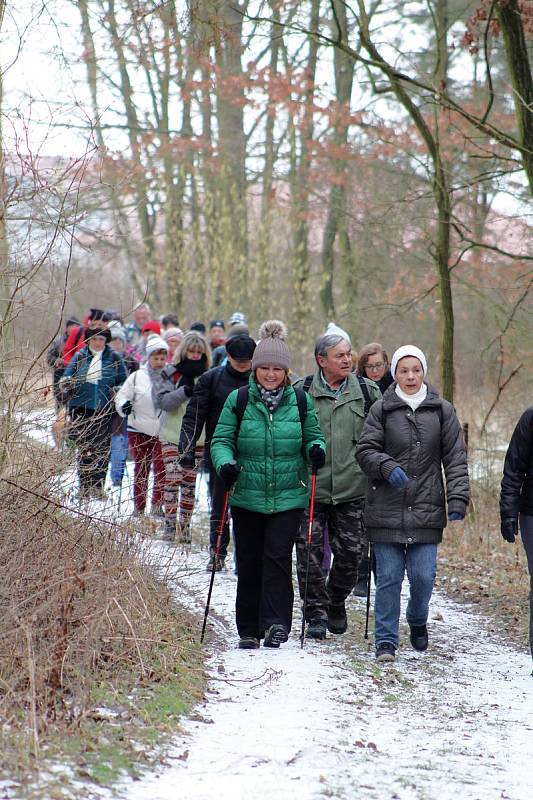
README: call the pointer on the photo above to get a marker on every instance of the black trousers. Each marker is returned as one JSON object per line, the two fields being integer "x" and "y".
{"x": 263, "y": 549}
{"x": 217, "y": 492}
{"x": 91, "y": 431}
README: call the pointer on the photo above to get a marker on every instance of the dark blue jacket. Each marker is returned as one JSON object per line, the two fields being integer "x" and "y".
{"x": 95, "y": 395}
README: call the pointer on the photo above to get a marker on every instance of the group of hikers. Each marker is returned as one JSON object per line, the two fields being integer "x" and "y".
{"x": 382, "y": 452}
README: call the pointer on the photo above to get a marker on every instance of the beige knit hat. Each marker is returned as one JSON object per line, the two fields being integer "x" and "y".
{"x": 272, "y": 347}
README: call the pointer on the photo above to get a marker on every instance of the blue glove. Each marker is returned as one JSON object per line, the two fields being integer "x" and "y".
{"x": 455, "y": 516}
{"x": 398, "y": 477}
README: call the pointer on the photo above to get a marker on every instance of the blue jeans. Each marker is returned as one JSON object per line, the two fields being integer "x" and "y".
{"x": 119, "y": 451}
{"x": 392, "y": 560}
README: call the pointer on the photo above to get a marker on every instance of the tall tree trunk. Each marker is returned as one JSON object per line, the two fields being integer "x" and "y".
{"x": 336, "y": 227}
{"x": 122, "y": 227}
{"x": 264, "y": 265}
{"x": 232, "y": 148}
{"x": 512, "y": 26}
{"x": 145, "y": 217}
{"x": 439, "y": 177}
{"x": 300, "y": 185}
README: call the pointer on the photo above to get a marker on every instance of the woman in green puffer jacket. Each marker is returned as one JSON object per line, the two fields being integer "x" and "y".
{"x": 263, "y": 464}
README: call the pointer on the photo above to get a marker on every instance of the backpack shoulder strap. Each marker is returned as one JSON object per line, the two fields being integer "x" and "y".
{"x": 240, "y": 405}
{"x": 366, "y": 394}
{"x": 301, "y": 402}
{"x": 306, "y": 385}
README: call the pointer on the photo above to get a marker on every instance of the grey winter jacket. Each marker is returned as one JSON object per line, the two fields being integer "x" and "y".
{"x": 421, "y": 442}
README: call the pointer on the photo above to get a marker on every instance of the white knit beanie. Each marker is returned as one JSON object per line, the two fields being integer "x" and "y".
{"x": 155, "y": 343}
{"x": 334, "y": 330}
{"x": 408, "y": 350}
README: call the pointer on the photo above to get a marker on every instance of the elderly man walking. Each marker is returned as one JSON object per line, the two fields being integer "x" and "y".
{"x": 341, "y": 401}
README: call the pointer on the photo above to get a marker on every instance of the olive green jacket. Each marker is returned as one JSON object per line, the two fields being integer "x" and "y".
{"x": 341, "y": 420}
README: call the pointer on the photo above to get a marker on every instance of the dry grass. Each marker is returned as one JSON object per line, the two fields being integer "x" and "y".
{"x": 82, "y": 618}
{"x": 478, "y": 567}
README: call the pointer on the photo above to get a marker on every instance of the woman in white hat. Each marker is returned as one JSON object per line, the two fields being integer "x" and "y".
{"x": 135, "y": 401}
{"x": 408, "y": 438}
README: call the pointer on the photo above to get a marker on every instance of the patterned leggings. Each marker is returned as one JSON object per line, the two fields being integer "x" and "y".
{"x": 180, "y": 484}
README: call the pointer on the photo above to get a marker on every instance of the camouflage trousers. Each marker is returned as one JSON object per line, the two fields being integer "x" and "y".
{"x": 349, "y": 545}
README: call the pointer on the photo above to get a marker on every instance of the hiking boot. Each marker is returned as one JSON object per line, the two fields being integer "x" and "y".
{"x": 419, "y": 637}
{"x": 169, "y": 531}
{"x": 248, "y": 643}
{"x": 275, "y": 635}
{"x": 360, "y": 588}
{"x": 98, "y": 492}
{"x": 219, "y": 562}
{"x": 337, "y": 619}
{"x": 385, "y": 651}
{"x": 317, "y": 629}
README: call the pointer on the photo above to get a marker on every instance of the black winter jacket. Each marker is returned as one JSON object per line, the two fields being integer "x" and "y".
{"x": 517, "y": 483}
{"x": 206, "y": 403}
{"x": 421, "y": 442}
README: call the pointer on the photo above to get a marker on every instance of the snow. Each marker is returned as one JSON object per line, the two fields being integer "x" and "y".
{"x": 328, "y": 721}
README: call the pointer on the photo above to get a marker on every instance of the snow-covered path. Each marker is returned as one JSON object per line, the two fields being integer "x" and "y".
{"x": 326, "y": 721}
{"x": 453, "y": 723}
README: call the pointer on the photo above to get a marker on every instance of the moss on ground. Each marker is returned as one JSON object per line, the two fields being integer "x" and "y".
{"x": 124, "y": 731}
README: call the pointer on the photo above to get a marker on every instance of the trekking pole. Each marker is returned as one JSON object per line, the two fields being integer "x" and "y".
{"x": 123, "y": 468}
{"x": 309, "y": 531}
{"x": 369, "y": 580}
{"x": 215, "y": 559}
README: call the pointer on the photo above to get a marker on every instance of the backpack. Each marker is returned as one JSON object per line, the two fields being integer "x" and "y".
{"x": 242, "y": 402}
{"x": 308, "y": 380}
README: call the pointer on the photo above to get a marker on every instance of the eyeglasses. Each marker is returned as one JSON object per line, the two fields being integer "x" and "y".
{"x": 380, "y": 365}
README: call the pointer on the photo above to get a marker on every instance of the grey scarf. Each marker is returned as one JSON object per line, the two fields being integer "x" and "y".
{"x": 271, "y": 398}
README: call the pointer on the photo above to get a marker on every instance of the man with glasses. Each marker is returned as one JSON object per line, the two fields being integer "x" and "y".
{"x": 339, "y": 400}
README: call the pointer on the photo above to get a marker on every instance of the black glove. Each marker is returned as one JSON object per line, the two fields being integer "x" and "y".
{"x": 187, "y": 460}
{"x": 188, "y": 386}
{"x": 317, "y": 457}
{"x": 229, "y": 473}
{"x": 509, "y": 529}
{"x": 127, "y": 408}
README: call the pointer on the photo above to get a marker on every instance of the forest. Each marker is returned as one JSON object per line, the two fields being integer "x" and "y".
{"x": 365, "y": 162}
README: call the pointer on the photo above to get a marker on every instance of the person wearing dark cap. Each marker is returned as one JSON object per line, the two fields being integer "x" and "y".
{"x": 76, "y": 338}
{"x": 219, "y": 353}
{"x": 205, "y": 405}
{"x": 88, "y": 386}
{"x": 261, "y": 456}
{"x": 198, "y": 326}
{"x": 217, "y": 333}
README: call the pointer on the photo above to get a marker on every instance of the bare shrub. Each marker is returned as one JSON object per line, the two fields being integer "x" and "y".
{"x": 476, "y": 565}
{"x": 77, "y": 604}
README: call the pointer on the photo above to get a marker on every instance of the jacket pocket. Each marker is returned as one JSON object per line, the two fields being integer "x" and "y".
{"x": 358, "y": 418}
